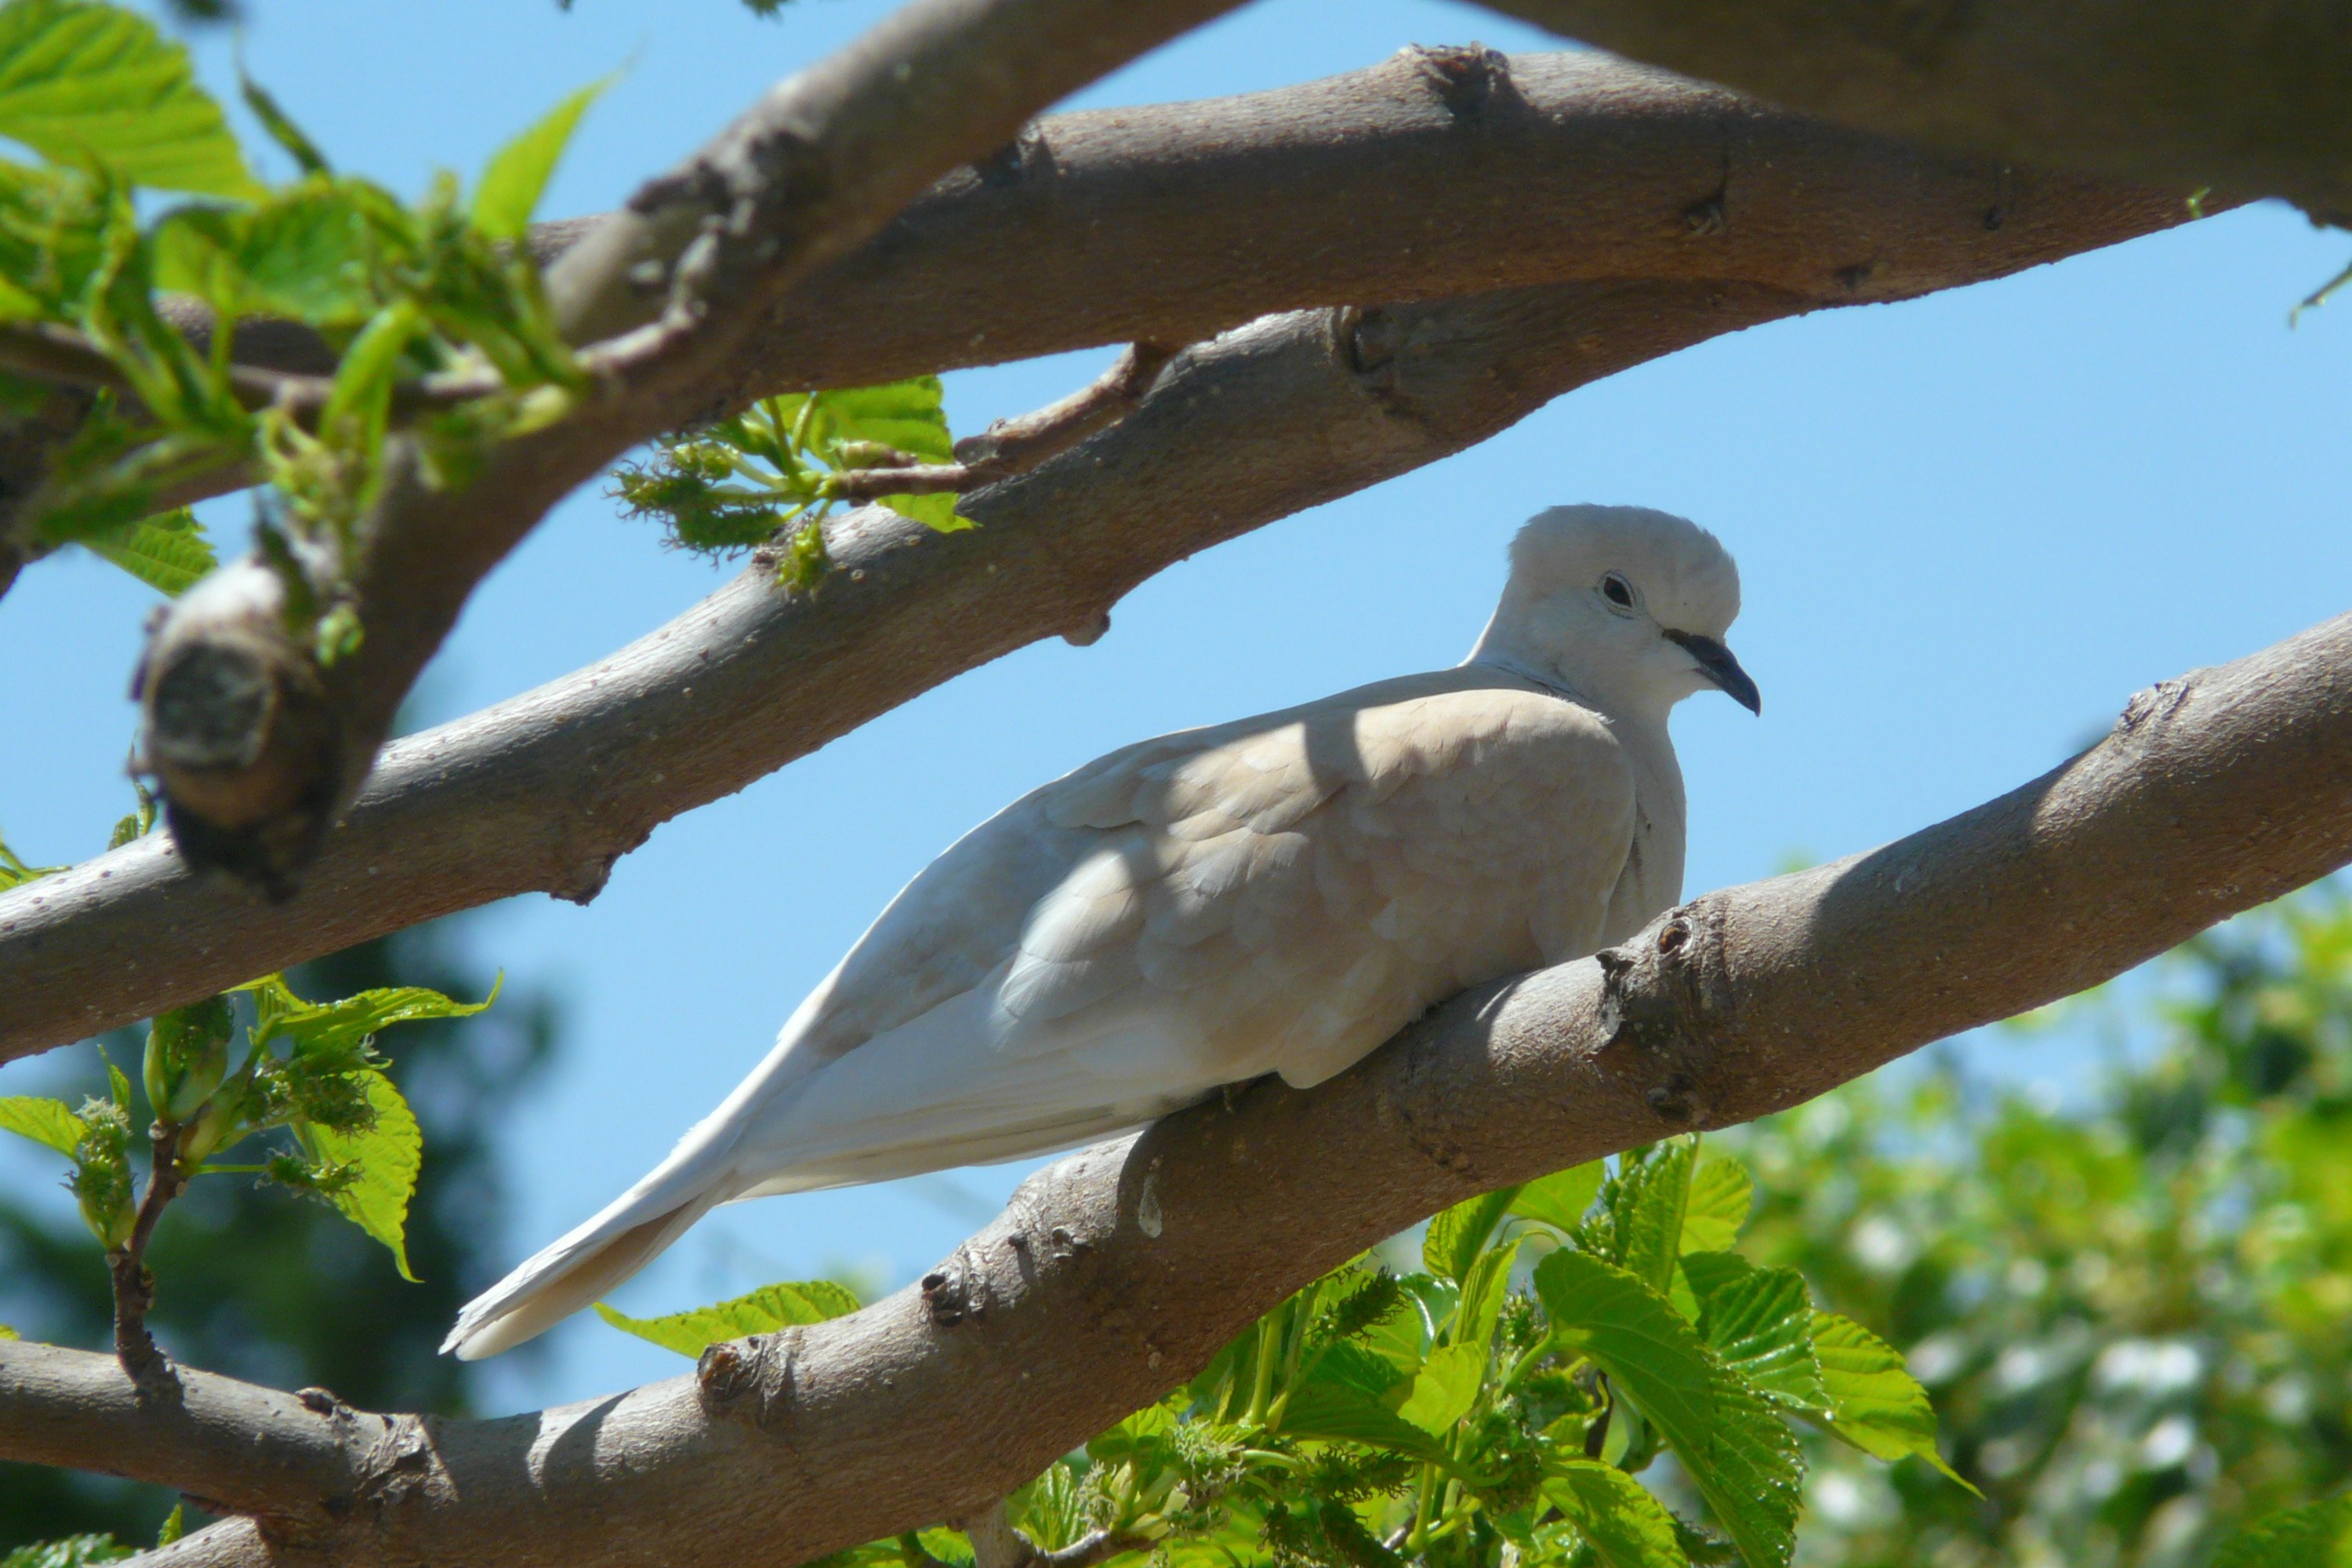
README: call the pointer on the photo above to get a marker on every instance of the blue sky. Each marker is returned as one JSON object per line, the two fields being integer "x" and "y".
{"x": 1969, "y": 527}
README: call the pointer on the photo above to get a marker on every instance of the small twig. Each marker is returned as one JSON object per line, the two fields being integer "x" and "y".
{"x": 996, "y": 1544}
{"x": 134, "y": 1287}
{"x": 1012, "y": 447}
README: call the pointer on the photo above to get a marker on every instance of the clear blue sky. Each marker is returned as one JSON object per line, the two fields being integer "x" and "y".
{"x": 1969, "y": 527}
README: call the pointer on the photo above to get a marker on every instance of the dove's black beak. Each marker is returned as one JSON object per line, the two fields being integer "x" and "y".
{"x": 1716, "y": 662}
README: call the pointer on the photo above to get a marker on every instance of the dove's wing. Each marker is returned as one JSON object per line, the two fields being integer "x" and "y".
{"x": 1275, "y": 895}
{"x": 1279, "y": 894}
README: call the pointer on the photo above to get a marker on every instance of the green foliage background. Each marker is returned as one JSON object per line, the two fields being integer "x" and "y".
{"x": 258, "y": 1283}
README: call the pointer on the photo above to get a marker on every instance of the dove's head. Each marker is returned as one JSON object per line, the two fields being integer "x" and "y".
{"x": 1621, "y": 604}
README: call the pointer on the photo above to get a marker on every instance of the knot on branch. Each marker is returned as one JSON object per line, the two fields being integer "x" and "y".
{"x": 958, "y": 1288}
{"x": 1466, "y": 78}
{"x": 239, "y": 729}
{"x": 401, "y": 1468}
{"x": 2153, "y": 706}
{"x": 749, "y": 1380}
{"x": 1665, "y": 995}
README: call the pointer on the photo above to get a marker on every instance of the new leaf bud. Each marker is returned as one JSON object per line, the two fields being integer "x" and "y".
{"x": 187, "y": 1053}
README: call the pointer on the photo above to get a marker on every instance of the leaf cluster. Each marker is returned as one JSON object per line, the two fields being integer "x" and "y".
{"x": 776, "y": 466}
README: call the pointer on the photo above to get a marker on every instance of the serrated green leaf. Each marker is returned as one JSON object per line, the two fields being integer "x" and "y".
{"x": 1760, "y": 1326}
{"x": 1338, "y": 1413}
{"x": 168, "y": 552}
{"x": 1144, "y": 1432}
{"x": 73, "y": 1552}
{"x": 1445, "y": 1388}
{"x": 1711, "y": 1271}
{"x": 1615, "y": 1514}
{"x": 907, "y": 416}
{"x": 307, "y": 253}
{"x": 1720, "y": 1193}
{"x": 1455, "y": 1236}
{"x": 340, "y": 1025}
{"x": 385, "y": 1156}
{"x": 45, "y": 1121}
{"x": 1482, "y": 1297}
{"x": 769, "y": 1307}
{"x": 175, "y": 1525}
{"x": 517, "y": 175}
{"x": 1654, "y": 1198}
{"x": 1738, "y": 1453}
{"x": 1874, "y": 1402}
{"x": 1560, "y": 1199}
{"x": 2319, "y": 1535}
{"x": 80, "y": 81}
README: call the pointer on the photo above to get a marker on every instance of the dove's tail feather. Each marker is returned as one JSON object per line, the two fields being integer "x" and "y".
{"x": 632, "y": 1231}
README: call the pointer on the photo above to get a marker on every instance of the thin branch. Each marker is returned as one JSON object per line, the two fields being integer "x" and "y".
{"x": 1012, "y": 447}
{"x": 256, "y": 745}
{"x": 2213, "y": 793}
{"x": 2243, "y": 95}
{"x": 133, "y": 1285}
{"x": 545, "y": 792}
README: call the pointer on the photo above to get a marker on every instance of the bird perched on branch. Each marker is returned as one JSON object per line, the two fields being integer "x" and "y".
{"x": 1275, "y": 895}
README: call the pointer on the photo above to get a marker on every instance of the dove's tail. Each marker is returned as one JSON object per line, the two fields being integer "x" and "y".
{"x": 631, "y": 1232}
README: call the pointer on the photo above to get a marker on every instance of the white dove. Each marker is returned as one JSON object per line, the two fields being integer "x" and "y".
{"x": 1275, "y": 895}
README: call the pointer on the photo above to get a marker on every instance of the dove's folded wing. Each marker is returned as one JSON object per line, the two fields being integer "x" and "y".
{"x": 1275, "y": 895}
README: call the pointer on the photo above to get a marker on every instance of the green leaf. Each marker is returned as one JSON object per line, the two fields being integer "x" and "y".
{"x": 1760, "y": 1326}
{"x": 339, "y": 1025}
{"x": 1738, "y": 1453}
{"x": 16, "y": 873}
{"x": 1560, "y": 1199}
{"x": 1720, "y": 1193}
{"x": 384, "y": 1157}
{"x": 1874, "y": 1402}
{"x": 308, "y": 253}
{"x": 907, "y": 416}
{"x": 517, "y": 173}
{"x": 769, "y": 1307}
{"x": 47, "y": 1121}
{"x": 280, "y": 125}
{"x": 1624, "y": 1525}
{"x": 1456, "y": 1236}
{"x": 1445, "y": 1388}
{"x": 74, "y": 1551}
{"x": 167, "y": 551}
{"x": 175, "y": 1525}
{"x": 8, "y": 1333}
{"x": 1482, "y": 1297}
{"x": 79, "y": 82}
{"x": 2319, "y": 1535}
{"x": 1335, "y": 1413}
{"x": 1655, "y": 1197}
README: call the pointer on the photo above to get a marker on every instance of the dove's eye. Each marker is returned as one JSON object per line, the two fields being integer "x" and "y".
{"x": 1617, "y": 591}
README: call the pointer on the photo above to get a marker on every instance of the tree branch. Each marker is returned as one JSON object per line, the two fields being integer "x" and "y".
{"x": 2243, "y": 95}
{"x": 545, "y": 792}
{"x": 2213, "y": 793}
{"x": 257, "y": 746}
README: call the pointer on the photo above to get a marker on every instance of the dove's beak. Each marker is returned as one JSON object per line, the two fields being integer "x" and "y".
{"x": 1715, "y": 661}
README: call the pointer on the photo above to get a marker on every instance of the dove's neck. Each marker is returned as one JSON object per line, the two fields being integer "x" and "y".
{"x": 1635, "y": 695}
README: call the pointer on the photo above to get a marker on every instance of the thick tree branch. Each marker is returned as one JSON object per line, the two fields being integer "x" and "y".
{"x": 2213, "y": 793}
{"x": 544, "y": 791}
{"x": 2241, "y": 95}
{"x": 256, "y": 746}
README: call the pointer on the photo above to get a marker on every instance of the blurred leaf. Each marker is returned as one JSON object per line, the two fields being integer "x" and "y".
{"x": 80, "y": 80}
{"x": 1560, "y": 1199}
{"x": 1445, "y": 1388}
{"x": 309, "y": 253}
{"x": 769, "y": 1307}
{"x": 1738, "y": 1453}
{"x": 175, "y": 1525}
{"x": 1455, "y": 1235}
{"x": 16, "y": 873}
{"x": 1481, "y": 1298}
{"x": 168, "y": 552}
{"x": 517, "y": 173}
{"x": 1875, "y": 1403}
{"x": 1624, "y": 1525}
{"x": 280, "y": 125}
{"x": 47, "y": 1122}
{"x": 2317, "y": 1536}
{"x": 1720, "y": 1193}
{"x": 74, "y": 1551}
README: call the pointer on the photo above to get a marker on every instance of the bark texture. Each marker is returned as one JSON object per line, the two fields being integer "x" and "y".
{"x": 2245, "y": 96}
{"x": 2214, "y": 792}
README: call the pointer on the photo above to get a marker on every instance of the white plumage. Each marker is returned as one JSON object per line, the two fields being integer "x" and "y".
{"x": 1279, "y": 894}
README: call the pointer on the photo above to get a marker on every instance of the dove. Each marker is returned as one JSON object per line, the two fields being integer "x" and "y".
{"x": 1278, "y": 895}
